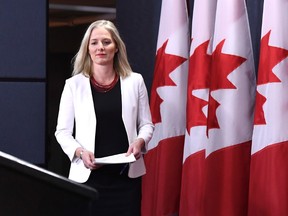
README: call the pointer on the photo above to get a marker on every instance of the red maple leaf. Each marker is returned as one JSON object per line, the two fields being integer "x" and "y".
{"x": 222, "y": 65}
{"x": 199, "y": 67}
{"x": 259, "y": 117}
{"x": 212, "y": 120}
{"x": 164, "y": 65}
{"x": 270, "y": 56}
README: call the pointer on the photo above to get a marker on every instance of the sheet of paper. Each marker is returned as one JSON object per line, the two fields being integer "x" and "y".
{"x": 116, "y": 159}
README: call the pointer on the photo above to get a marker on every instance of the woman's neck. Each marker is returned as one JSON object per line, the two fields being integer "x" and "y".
{"x": 104, "y": 74}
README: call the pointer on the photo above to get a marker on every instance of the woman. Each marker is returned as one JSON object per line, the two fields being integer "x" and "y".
{"x": 109, "y": 105}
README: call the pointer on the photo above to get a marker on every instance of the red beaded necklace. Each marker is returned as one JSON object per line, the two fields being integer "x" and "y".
{"x": 104, "y": 88}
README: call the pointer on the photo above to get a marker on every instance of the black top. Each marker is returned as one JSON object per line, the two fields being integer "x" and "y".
{"x": 118, "y": 194}
{"x": 111, "y": 137}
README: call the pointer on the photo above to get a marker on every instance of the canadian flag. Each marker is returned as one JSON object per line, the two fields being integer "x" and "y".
{"x": 230, "y": 112}
{"x": 192, "y": 188}
{"x": 162, "y": 182}
{"x": 268, "y": 194}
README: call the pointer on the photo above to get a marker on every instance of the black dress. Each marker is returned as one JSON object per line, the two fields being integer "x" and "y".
{"x": 118, "y": 194}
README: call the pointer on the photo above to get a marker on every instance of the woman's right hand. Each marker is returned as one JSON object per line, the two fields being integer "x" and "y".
{"x": 88, "y": 158}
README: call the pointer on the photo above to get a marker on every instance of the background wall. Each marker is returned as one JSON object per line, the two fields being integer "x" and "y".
{"x": 23, "y": 79}
{"x": 255, "y": 8}
{"x": 138, "y": 26}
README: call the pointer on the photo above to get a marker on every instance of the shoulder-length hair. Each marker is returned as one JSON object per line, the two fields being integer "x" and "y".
{"x": 82, "y": 61}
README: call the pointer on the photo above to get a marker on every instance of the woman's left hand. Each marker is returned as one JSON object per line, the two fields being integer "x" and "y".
{"x": 135, "y": 148}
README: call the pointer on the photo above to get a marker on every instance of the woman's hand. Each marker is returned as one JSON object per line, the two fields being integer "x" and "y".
{"x": 88, "y": 158}
{"x": 135, "y": 148}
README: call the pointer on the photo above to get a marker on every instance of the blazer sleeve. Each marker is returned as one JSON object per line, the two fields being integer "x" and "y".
{"x": 144, "y": 123}
{"x": 65, "y": 123}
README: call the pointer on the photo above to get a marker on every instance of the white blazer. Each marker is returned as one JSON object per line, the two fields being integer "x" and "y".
{"x": 76, "y": 104}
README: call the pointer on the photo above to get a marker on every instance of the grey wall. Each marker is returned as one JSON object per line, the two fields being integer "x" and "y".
{"x": 23, "y": 79}
{"x": 138, "y": 23}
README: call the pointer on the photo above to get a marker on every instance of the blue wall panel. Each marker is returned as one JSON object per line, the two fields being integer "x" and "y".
{"x": 23, "y": 27}
{"x": 23, "y": 38}
{"x": 22, "y": 114}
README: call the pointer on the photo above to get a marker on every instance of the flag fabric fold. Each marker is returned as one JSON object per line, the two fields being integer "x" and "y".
{"x": 230, "y": 112}
{"x": 220, "y": 143}
{"x": 162, "y": 182}
{"x": 268, "y": 192}
{"x": 192, "y": 185}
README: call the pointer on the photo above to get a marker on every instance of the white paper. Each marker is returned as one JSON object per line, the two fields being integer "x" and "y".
{"x": 116, "y": 159}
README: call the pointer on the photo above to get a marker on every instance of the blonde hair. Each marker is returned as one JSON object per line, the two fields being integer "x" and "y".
{"x": 82, "y": 61}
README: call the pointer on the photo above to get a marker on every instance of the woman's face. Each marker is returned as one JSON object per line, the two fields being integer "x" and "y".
{"x": 102, "y": 47}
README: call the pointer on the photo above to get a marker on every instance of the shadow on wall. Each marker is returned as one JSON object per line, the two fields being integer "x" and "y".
{"x": 59, "y": 70}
